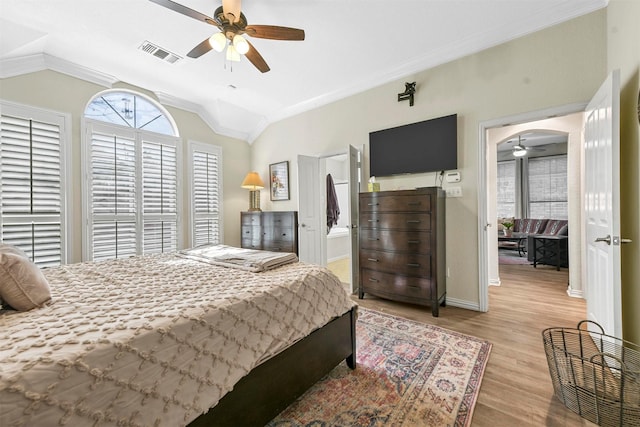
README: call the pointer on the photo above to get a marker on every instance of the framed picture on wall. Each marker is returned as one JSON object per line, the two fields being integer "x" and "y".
{"x": 279, "y": 181}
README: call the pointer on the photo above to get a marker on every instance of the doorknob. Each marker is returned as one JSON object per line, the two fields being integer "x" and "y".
{"x": 303, "y": 225}
{"x": 607, "y": 239}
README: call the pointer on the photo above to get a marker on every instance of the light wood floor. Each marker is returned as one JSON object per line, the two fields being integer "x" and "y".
{"x": 516, "y": 389}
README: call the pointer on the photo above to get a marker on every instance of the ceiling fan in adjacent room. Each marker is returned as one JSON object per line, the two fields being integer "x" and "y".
{"x": 233, "y": 25}
{"x": 520, "y": 150}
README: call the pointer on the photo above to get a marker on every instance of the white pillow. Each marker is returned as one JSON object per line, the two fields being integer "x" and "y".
{"x": 22, "y": 284}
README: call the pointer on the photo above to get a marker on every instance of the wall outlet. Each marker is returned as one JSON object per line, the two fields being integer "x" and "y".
{"x": 453, "y": 191}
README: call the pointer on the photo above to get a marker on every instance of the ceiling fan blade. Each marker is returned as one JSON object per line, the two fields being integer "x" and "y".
{"x": 274, "y": 32}
{"x": 176, "y": 7}
{"x": 201, "y": 49}
{"x": 256, "y": 59}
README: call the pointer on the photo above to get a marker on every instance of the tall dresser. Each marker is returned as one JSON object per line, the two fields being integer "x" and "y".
{"x": 270, "y": 231}
{"x": 402, "y": 246}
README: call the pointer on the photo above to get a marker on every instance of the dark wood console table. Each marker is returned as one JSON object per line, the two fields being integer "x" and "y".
{"x": 549, "y": 247}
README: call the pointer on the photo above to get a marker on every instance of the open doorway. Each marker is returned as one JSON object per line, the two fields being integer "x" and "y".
{"x": 338, "y": 236}
{"x": 567, "y": 121}
{"x": 532, "y": 201}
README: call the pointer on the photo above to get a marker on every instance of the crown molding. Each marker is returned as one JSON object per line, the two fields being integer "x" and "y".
{"x": 12, "y": 67}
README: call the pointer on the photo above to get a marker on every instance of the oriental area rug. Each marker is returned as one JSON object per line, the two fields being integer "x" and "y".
{"x": 407, "y": 374}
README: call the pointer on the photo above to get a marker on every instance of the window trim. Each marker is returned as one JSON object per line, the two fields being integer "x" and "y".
{"x": 155, "y": 103}
{"x": 138, "y": 135}
{"x": 63, "y": 120}
{"x": 193, "y": 146}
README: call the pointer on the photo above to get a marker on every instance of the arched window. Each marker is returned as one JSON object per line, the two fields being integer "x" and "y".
{"x": 132, "y": 164}
{"x": 131, "y": 110}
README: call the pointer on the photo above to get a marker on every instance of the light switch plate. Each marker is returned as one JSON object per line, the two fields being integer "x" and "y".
{"x": 453, "y": 191}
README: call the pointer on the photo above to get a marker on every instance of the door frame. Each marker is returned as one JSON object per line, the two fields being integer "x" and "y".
{"x": 484, "y": 223}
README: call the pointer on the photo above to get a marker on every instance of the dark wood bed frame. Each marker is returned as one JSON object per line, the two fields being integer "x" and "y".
{"x": 273, "y": 385}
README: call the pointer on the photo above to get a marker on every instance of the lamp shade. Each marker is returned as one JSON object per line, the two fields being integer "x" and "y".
{"x": 519, "y": 153}
{"x": 252, "y": 181}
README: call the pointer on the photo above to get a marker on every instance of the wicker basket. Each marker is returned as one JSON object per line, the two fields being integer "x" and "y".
{"x": 595, "y": 375}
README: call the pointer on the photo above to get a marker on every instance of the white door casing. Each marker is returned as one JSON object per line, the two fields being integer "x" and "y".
{"x": 310, "y": 245}
{"x": 602, "y": 207}
{"x": 355, "y": 173}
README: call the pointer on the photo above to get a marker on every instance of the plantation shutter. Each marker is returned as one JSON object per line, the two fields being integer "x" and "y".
{"x": 160, "y": 197}
{"x": 506, "y": 189}
{"x": 113, "y": 196}
{"x": 548, "y": 187}
{"x": 31, "y": 165}
{"x": 206, "y": 197}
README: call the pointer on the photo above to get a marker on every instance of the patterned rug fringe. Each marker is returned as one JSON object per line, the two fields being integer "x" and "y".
{"x": 408, "y": 374}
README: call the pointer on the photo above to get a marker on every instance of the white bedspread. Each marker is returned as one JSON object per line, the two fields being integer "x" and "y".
{"x": 244, "y": 259}
{"x": 152, "y": 341}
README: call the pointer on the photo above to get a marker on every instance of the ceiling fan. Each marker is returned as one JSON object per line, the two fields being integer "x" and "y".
{"x": 520, "y": 150}
{"x": 232, "y": 25}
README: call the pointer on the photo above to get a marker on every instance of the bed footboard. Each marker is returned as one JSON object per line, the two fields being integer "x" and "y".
{"x": 273, "y": 385}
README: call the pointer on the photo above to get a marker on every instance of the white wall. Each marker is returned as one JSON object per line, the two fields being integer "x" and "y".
{"x": 557, "y": 66}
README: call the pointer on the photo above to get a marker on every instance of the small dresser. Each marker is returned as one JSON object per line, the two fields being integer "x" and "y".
{"x": 402, "y": 246}
{"x": 270, "y": 231}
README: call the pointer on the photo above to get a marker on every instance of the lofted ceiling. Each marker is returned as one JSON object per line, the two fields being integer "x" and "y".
{"x": 350, "y": 46}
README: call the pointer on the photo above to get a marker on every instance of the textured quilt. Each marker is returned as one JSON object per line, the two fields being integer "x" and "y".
{"x": 152, "y": 341}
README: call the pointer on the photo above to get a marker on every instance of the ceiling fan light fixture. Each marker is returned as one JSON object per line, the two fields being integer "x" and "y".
{"x": 519, "y": 152}
{"x": 240, "y": 44}
{"x": 218, "y": 41}
{"x": 232, "y": 54}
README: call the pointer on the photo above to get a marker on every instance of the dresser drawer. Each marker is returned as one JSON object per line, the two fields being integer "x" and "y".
{"x": 251, "y": 243}
{"x": 392, "y": 285}
{"x": 278, "y": 219}
{"x": 405, "y": 263}
{"x": 372, "y": 202}
{"x": 279, "y": 246}
{"x": 250, "y": 219}
{"x": 391, "y": 240}
{"x": 397, "y": 221}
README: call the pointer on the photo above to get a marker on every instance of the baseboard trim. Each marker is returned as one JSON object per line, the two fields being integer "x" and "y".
{"x": 575, "y": 294}
{"x": 468, "y": 305}
{"x": 495, "y": 282}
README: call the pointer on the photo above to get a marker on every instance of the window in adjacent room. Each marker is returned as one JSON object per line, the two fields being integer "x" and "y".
{"x": 33, "y": 177}
{"x": 132, "y": 164}
{"x": 206, "y": 191}
{"x": 547, "y": 187}
{"x": 506, "y": 189}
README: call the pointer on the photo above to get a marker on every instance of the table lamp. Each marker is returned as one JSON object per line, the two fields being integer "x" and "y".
{"x": 253, "y": 183}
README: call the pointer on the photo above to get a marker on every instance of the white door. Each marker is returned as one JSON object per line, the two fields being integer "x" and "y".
{"x": 310, "y": 202}
{"x": 602, "y": 206}
{"x": 355, "y": 174}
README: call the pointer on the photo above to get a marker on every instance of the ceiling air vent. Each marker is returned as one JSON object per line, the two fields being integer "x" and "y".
{"x": 159, "y": 52}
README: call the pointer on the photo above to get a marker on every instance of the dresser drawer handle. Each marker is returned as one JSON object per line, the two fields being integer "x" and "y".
{"x": 412, "y": 264}
{"x": 414, "y": 203}
{"x": 413, "y": 242}
{"x": 373, "y": 204}
{"x": 373, "y": 238}
{"x": 413, "y": 221}
{"x": 373, "y": 220}
{"x": 372, "y": 259}
{"x": 371, "y": 279}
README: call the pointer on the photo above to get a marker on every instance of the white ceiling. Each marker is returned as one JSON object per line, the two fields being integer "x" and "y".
{"x": 350, "y": 46}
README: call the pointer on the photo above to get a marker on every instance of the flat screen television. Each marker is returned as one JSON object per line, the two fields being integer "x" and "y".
{"x": 427, "y": 146}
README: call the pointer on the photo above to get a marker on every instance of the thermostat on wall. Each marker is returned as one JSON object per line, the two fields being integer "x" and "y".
{"x": 453, "y": 176}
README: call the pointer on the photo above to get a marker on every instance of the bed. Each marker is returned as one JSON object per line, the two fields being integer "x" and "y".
{"x": 172, "y": 339}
